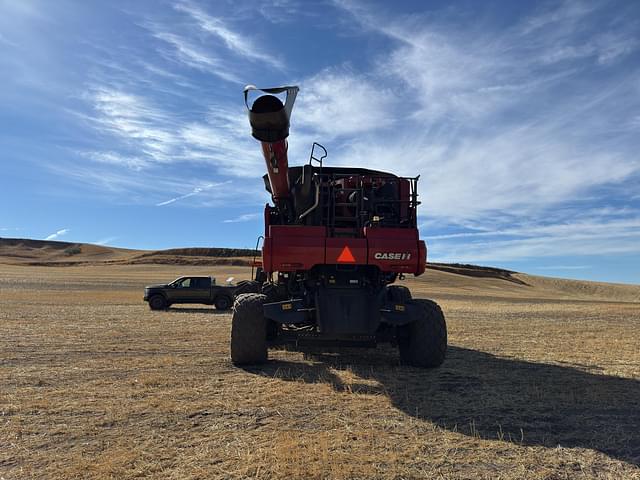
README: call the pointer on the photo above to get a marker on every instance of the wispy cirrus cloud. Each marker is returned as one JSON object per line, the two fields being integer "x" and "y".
{"x": 150, "y": 136}
{"x": 501, "y": 126}
{"x": 195, "y": 191}
{"x": 595, "y": 236}
{"x": 339, "y": 102}
{"x": 137, "y": 122}
{"x": 282, "y": 11}
{"x": 247, "y": 217}
{"x": 522, "y": 126}
{"x": 186, "y": 52}
{"x": 105, "y": 241}
{"x": 57, "y": 234}
{"x": 151, "y": 186}
{"x": 238, "y": 43}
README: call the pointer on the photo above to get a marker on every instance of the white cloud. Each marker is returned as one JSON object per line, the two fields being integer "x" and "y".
{"x": 150, "y": 187}
{"x": 338, "y": 102}
{"x": 105, "y": 241}
{"x": 595, "y": 236}
{"x": 562, "y": 16}
{"x": 505, "y": 131}
{"x": 193, "y": 192}
{"x": 239, "y": 44}
{"x": 155, "y": 137}
{"x": 196, "y": 57}
{"x": 145, "y": 128}
{"x": 116, "y": 159}
{"x": 57, "y": 234}
{"x": 247, "y": 217}
{"x": 485, "y": 137}
{"x": 605, "y": 48}
{"x": 224, "y": 139}
{"x": 282, "y": 11}
{"x": 507, "y": 127}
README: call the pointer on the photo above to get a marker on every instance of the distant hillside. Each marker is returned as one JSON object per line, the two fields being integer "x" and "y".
{"x": 476, "y": 271}
{"x": 448, "y": 277}
{"x": 43, "y": 252}
{"x": 204, "y": 252}
{"x": 54, "y": 253}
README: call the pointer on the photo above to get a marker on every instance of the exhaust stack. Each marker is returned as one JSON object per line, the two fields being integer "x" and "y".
{"x": 269, "y": 120}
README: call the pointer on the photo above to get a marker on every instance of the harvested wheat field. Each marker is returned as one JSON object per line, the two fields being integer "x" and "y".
{"x": 542, "y": 381}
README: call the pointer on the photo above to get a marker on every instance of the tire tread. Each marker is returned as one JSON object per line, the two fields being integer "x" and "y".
{"x": 248, "y": 330}
{"x": 426, "y": 343}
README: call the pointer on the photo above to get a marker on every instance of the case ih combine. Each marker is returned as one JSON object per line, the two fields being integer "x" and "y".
{"x": 336, "y": 239}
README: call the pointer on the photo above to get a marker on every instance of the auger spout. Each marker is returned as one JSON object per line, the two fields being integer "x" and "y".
{"x": 269, "y": 119}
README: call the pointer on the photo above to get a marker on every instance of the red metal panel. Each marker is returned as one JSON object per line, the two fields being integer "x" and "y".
{"x": 357, "y": 247}
{"x": 394, "y": 249}
{"x": 275, "y": 155}
{"x": 267, "y": 252}
{"x": 292, "y": 247}
{"x": 296, "y": 247}
{"x": 296, "y": 231}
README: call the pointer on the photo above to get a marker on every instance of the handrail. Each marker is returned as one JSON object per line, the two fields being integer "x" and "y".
{"x": 317, "y": 201}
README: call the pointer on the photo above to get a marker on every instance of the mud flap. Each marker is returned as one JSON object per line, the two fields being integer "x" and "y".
{"x": 347, "y": 311}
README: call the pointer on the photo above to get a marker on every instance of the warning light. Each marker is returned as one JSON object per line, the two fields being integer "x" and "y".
{"x": 346, "y": 256}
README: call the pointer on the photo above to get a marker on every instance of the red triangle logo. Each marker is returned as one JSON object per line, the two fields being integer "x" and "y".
{"x": 346, "y": 256}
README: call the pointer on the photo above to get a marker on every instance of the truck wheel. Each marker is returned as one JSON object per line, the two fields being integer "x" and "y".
{"x": 423, "y": 343}
{"x": 157, "y": 302}
{"x": 248, "y": 330}
{"x": 223, "y": 302}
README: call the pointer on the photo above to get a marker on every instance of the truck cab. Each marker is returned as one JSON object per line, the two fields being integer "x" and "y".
{"x": 191, "y": 289}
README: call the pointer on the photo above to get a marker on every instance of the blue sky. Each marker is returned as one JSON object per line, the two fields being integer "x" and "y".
{"x": 123, "y": 122}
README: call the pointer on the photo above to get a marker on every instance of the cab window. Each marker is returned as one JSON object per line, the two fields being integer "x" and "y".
{"x": 200, "y": 283}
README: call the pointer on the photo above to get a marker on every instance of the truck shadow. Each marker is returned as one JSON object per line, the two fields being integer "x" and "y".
{"x": 481, "y": 395}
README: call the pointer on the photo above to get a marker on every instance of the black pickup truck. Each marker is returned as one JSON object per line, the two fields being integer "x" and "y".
{"x": 196, "y": 290}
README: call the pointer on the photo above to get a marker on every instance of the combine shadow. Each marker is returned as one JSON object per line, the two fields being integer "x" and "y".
{"x": 210, "y": 310}
{"x": 481, "y": 395}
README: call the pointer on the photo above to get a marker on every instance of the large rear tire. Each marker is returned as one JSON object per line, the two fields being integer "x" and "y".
{"x": 270, "y": 290}
{"x": 423, "y": 343}
{"x": 247, "y": 286}
{"x": 248, "y": 330}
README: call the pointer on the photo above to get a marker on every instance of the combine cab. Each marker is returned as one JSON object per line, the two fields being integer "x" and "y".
{"x": 335, "y": 241}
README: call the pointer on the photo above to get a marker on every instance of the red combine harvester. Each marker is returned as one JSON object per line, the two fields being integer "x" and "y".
{"x": 336, "y": 239}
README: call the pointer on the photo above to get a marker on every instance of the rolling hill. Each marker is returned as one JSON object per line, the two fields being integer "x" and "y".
{"x": 450, "y": 278}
